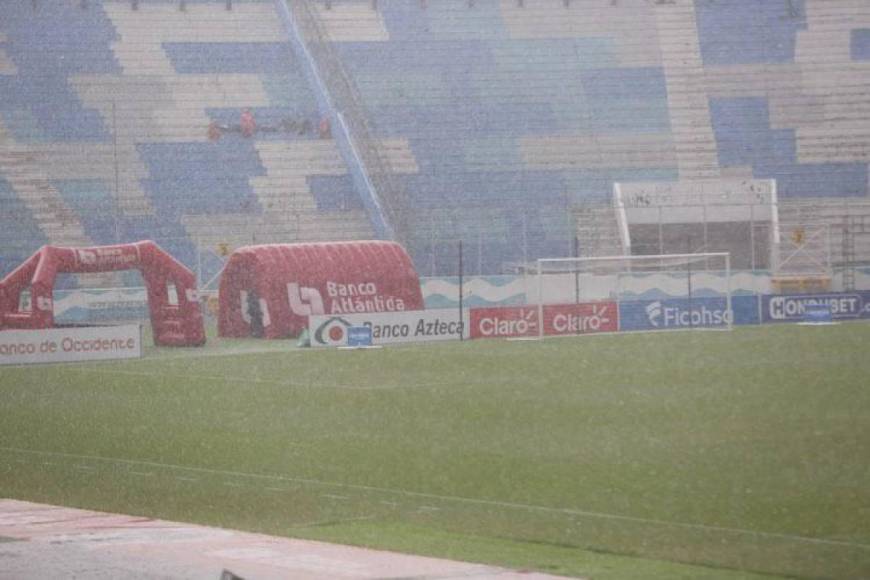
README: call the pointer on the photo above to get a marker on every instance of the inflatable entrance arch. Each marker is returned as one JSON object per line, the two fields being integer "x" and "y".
{"x": 271, "y": 290}
{"x": 175, "y": 322}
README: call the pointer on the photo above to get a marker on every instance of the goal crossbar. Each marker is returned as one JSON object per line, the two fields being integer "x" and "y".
{"x": 638, "y": 258}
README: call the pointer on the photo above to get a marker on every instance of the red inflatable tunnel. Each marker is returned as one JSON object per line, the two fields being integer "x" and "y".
{"x": 271, "y": 290}
{"x": 174, "y": 323}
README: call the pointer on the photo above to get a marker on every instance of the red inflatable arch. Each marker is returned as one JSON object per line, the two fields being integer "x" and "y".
{"x": 271, "y": 290}
{"x": 178, "y": 324}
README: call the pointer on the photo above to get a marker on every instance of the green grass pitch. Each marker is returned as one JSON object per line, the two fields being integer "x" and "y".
{"x": 680, "y": 455}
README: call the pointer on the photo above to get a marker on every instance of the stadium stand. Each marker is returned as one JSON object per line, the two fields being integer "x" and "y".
{"x": 503, "y": 123}
{"x": 105, "y": 131}
{"x": 570, "y": 97}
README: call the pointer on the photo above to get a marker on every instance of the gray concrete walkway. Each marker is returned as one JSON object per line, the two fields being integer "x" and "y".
{"x": 41, "y": 541}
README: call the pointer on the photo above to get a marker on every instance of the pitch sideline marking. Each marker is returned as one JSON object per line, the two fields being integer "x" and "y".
{"x": 279, "y": 383}
{"x": 208, "y": 352}
{"x": 146, "y": 359}
{"x": 332, "y": 522}
{"x": 449, "y": 498}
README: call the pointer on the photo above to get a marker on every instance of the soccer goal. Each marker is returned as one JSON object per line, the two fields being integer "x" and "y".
{"x": 633, "y": 293}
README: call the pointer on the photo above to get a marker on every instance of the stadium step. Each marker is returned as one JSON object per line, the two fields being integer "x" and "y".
{"x": 597, "y": 230}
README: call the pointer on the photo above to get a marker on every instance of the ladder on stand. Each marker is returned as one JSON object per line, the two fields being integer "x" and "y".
{"x": 850, "y": 224}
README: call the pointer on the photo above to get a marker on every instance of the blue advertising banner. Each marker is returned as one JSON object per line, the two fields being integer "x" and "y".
{"x": 793, "y": 308}
{"x": 684, "y": 313}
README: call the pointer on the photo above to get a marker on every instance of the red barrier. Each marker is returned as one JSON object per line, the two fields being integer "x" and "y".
{"x": 586, "y": 318}
{"x": 559, "y": 319}
{"x": 271, "y": 290}
{"x": 504, "y": 322}
{"x": 173, "y": 324}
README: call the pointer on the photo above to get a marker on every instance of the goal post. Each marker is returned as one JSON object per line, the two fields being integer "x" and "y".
{"x": 633, "y": 293}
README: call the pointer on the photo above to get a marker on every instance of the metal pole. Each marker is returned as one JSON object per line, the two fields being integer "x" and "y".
{"x": 689, "y": 278}
{"x": 706, "y": 247}
{"x": 479, "y": 249}
{"x": 728, "y": 306}
{"x": 576, "y": 271}
{"x": 752, "y": 236}
{"x": 198, "y": 263}
{"x": 525, "y": 241}
{"x": 461, "y": 333}
{"x": 431, "y": 245}
{"x": 661, "y": 233}
{"x": 828, "y": 247}
{"x": 117, "y": 211}
{"x": 540, "y": 300}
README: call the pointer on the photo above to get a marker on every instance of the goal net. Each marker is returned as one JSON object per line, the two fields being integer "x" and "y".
{"x": 633, "y": 293}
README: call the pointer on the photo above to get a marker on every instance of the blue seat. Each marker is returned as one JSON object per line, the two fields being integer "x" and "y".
{"x": 201, "y": 178}
{"x": 70, "y": 41}
{"x": 753, "y": 32}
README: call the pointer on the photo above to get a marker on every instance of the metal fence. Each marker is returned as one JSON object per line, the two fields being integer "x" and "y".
{"x": 495, "y": 240}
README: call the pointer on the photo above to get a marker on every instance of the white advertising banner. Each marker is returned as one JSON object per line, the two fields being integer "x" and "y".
{"x": 389, "y": 327}
{"x": 100, "y": 306}
{"x": 70, "y": 344}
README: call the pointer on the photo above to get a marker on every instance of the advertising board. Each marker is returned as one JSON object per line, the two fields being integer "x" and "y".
{"x": 672, "y": 313}
{"x": 503, "y": 322}
{"x": 559, "y": 320}
{"x": 585, "y": 318}
{"x": 389, "y": 327}
{"x": 70, "y": 344}
{"x": 793, "y": 307}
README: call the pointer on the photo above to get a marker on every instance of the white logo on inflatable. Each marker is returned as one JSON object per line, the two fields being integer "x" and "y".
{"x": 87, "y": 258}
{"x": 304, "y": 301}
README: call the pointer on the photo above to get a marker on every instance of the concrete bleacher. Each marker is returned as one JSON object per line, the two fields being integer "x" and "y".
{"x": 19, "y": 225}
{"x": 515, "y": 113}
{"x": 104, "y": 118}
{"x": 794, "y": 106}
{"x": 219, "y": 62}
{"x": 545, "y": 104}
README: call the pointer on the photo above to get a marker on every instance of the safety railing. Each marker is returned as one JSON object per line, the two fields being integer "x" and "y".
{"x": 355, "y": 133}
